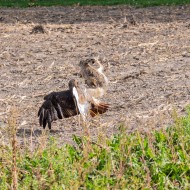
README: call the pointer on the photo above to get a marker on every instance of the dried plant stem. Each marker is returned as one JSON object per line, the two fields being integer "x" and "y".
{"x": 14, "y": 166}
{"x": 13, "y": 131}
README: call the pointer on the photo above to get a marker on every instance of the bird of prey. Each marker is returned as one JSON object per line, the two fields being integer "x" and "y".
{"x": 94, "y": 77}
{"x": 71, "y": 102}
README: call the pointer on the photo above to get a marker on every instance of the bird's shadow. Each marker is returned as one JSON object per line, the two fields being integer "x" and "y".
{"x": 35, "y": 132}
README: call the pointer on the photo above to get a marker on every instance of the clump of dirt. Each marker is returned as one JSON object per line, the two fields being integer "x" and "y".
{"x": 38, "y": 29}
{"x": 145, "y": 52}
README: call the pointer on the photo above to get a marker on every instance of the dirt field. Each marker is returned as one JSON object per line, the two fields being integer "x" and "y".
{"x": 146, "y": 53}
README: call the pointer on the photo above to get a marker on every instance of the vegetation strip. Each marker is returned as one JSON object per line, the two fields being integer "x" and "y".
{"x": 154, "y": 160}
{"x": 138, "y": 3}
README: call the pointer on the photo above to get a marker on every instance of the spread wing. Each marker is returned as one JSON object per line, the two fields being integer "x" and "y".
{"x": 57, "y": 105}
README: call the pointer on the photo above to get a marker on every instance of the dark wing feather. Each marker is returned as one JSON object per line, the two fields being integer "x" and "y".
{"x": 56, "y": 105}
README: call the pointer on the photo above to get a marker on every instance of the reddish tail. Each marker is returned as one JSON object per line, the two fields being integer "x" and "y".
{"x": 98, "y": 109}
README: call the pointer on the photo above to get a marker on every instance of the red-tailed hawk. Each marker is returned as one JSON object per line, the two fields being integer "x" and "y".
{"x": 64, "y": 104}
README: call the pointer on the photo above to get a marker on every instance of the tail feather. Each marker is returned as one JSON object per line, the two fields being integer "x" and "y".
{"x": 97, "y": 109}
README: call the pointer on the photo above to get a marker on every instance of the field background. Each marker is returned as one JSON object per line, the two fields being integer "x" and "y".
{"x": 146, "y": 54}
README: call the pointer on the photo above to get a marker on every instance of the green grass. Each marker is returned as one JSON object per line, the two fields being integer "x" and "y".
{"x": 156, "y": 160}
{"x": 138, "y": 3}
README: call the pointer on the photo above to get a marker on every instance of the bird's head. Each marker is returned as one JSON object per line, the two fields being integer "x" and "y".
{"x": 86, "y": 62}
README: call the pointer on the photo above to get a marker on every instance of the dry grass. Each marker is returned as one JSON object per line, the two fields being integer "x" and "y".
{"x": 12, "y": 134}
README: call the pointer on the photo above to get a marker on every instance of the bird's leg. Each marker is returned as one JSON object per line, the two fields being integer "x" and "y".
{"x": 85, "y": 124}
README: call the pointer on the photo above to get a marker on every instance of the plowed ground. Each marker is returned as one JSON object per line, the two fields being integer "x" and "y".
{"x": 145, "y": 51}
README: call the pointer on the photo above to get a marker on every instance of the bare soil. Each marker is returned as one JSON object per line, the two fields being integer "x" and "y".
{"x": 146, "y": 53}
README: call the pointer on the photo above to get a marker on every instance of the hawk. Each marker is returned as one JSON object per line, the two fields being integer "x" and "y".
{"x": 76, "y": 100}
